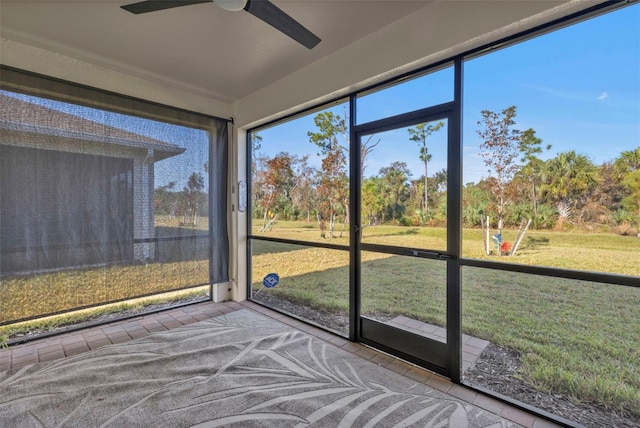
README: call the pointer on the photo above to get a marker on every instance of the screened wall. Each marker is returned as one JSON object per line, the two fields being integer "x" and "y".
{"x": 104, "y": 198}
{"x": 539, "y": 226}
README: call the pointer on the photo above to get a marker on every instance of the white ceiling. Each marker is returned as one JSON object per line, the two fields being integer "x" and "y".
{"x": 220, "y": 54}
{"x": 207, "y": 59}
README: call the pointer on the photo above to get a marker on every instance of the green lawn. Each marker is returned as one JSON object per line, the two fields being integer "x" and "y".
{"x": 37, "y": 295}
{"x": 598, "y": 252}
{"x": 53, "y": 322}
{"x": 577, "y": 338}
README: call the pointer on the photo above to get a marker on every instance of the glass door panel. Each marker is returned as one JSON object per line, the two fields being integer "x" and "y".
{"x": 404, "y": 187}
{"x": 403, "y": 240}
{"x": 406, "y": 292}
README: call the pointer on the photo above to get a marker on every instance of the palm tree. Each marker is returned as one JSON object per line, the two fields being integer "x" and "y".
{"x": 530, "y": 146}
{"x": 419, "y": 134}
{"x": 567, "y": 179}
{"x": 628, "y": 161}
{"x": 627, "y": 167}
{"x": 193, "y": 197}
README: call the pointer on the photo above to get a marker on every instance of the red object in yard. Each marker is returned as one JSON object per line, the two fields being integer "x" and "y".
{"x": 505, "y": 247}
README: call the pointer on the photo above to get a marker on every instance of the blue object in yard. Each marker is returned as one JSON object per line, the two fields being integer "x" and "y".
{"x": 497, "y": 238}
{"x": 271, "y": 280}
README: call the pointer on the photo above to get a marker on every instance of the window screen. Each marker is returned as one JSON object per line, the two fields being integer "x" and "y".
{"x": 104, "y": 197}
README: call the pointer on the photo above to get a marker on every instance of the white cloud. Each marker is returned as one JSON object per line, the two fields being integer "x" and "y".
{"x": 579, "y": 96}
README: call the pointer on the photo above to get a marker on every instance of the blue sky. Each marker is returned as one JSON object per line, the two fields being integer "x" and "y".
{"x": 578, "y": 88}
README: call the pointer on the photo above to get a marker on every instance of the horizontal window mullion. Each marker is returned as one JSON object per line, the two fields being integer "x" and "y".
{"x": 630, "y": 281}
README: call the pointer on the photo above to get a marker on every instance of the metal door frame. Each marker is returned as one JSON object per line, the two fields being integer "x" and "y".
{"x": 439, "y": 357}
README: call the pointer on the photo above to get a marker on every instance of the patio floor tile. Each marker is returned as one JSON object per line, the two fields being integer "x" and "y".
{"x": 98, "y": 343}
{"x": 518, "y": 416}
{"x": 119, "y": 338}
{"x": 171, "y": 324}
{"x": 95, "y": 337}
{"x": 463, "y": 393}
{"x": 69, "y": 352}
{"x": 489, "y": 403}
{"x": 439, "y": 383}
{"x": 51, "y": 356}
{"x": 137, "y": 333}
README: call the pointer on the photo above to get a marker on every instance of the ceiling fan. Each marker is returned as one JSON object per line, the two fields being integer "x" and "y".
{"x": 261, "y": 9}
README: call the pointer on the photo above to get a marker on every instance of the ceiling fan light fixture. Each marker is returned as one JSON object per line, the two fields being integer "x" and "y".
{"x": 231, "y": 5}
{"x": 264, "y": 10}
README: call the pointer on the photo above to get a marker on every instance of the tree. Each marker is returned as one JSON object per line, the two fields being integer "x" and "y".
{"x": 303, "y": 194}
{"x": 567, "y": 179}
{"x": 607, "y": 196}
{"x": 475, "y": 204}
{"x": 258, "y": 167}
{"x": 277, "y": 184}
{"x": 333, "y": 190}
{"x": 395, "y": 187}
{"x": 500, "y": 148}
{"x": 372, "y": 200}
{"x": 166, "y": 200}
{"x": 256, "y": 142}
{"x": 529, "y": 147}
{"x": 628, "y": 168}
{"x": 332, "y": 138}
{"x": 331, "y": 126}
{"x": 192, "y": 197}
{"x": 420, "y": 134}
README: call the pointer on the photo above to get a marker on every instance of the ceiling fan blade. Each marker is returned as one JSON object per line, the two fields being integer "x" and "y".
{"x": 154, "y": 5}
{"x": 277, "y": 18}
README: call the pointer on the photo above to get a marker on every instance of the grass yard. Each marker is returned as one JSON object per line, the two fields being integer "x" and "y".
{"x": 183, "y": 263}
{"x": 36, "y": 295}
{"x": 577, "y": 338}
{"x": 47, "y": 324}
{"x": 597, "y": 252}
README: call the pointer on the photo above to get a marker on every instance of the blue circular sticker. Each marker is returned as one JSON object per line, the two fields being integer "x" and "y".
{"x": 271, "y": 280}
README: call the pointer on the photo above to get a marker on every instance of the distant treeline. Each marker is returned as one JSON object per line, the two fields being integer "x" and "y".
{"x": 189, "y": 204}
{"x": 564, "y": 192}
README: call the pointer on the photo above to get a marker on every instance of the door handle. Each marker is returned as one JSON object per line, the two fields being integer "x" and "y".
{"x": 442, "y": 256}
{"x": 431, "y": 255}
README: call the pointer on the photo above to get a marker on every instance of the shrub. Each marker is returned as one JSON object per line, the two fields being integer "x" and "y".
{"x": 626, "y": 229}
{"x": 546, "y": 217}
{"x": 625, "y": 216}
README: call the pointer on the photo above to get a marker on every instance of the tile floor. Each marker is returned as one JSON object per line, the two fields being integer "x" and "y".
{"x": 73, "y": 343}
{"x": 472, "y": 347}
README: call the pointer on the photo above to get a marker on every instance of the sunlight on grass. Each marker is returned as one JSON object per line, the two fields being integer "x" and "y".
{"x": 84, "y": 315}
{"x": 41, "y": 294}
{"x": 595, "y": 252}
{"x": 577, "y": 338}
{"x": 55, "y": 322}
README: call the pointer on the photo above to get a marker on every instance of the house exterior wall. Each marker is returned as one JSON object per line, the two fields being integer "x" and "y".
{"x": 143, "y": 208}
{"x": 15, "y": 184}
{"x": 28, "y": 250}
{"x": 63, "y": 209}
